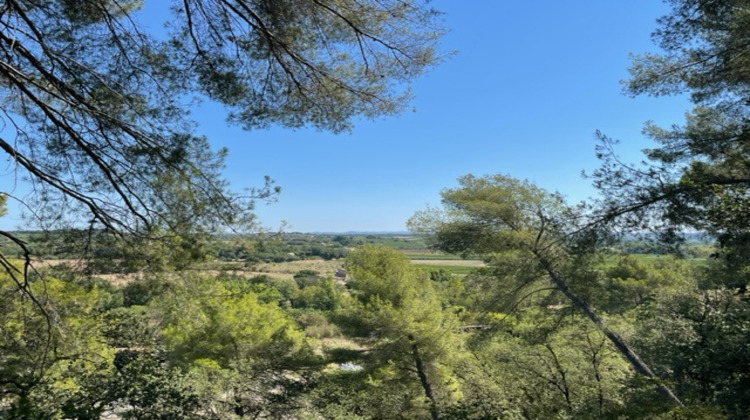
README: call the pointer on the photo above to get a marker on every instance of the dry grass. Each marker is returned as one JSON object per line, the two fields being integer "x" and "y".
{"x": 285, "y": 270}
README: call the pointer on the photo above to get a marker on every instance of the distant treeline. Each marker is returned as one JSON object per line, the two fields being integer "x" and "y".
{"x": 283, "y": 247}
{"x": 278, "y": 247}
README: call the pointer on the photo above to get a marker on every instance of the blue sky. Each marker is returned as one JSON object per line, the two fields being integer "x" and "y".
{"x": 529, "y": 85}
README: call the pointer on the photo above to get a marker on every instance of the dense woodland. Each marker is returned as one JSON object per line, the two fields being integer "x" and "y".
{"x": 607, "y": 309}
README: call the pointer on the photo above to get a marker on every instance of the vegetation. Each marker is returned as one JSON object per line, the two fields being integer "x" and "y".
{"x": 558, "y": 321}
{"x": 396, "y": 339}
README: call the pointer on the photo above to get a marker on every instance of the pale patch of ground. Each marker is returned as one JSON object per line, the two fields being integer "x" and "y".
{"x": 284, "y": 270}
{"x": 287, "y": 270}
{"x": 48, "y": 263}
{"x": 119, "y": 279}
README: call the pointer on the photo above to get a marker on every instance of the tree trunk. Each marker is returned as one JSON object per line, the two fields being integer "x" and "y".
{"x": 423, "y": 378}
{"x": 638, "y": 364}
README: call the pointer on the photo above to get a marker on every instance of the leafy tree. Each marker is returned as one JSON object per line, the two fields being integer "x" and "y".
{"x": 51, "y": 347}
{"x": 527, "y": 236}
{"x": 240, "y": 354}
{"x": 542, "y": 362}
{"x": 306, "y": 278}
{"x": 415, "y": 336}
{"x": 322, "y": 295}
{"x": 631, "y": 283}
{"x": 697, "y": 176}
{"x": 95, "y": 116}
{"x": 698, "y": 340}
{"x": 146, "y": 387}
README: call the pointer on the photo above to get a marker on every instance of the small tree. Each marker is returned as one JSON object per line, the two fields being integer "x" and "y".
{"x": 414, "y": 333}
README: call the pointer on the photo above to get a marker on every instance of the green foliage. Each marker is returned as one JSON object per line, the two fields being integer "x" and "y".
{"x": 632, "y": 282}
{"x": 207, "y": 319}
{"x": 402, "y": 341}
{"x": 323, "y": 295}
{"x": 237, "y": 346}
{"x": 529, "y": 335}
{"x": 306, "y": 278}
{"x": 568, "y": 371}
{"x": 519, "y": 230}
{"x": 140, "y": 292}
{"x": 380, "y": 273}
{"x": 533, "y": 243}
{"x": 148, "y": 388}
{"x": 699, "y": 339}
{"x": 129, "y": 90}
{"x": 52, "y": 345}
{"x": 414, "y": 333}
{"x": 697, "y": 176}
{"x": 127, "y": 327}
{"x": 269, "y": 289}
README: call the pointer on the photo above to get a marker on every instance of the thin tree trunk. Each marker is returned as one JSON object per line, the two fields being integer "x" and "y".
{"x": 638, "y": 364}
{"x": 423, "y": 378}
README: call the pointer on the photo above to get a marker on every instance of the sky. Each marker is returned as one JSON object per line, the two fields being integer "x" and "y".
{"x": 524, "y": 93}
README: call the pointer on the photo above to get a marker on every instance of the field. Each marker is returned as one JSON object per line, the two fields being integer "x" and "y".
{"x": 286, "y": 270}
{"x": 325, "y": 254}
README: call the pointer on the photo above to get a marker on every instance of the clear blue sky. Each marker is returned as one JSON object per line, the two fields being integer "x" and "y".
{"x": 529, "y": 85}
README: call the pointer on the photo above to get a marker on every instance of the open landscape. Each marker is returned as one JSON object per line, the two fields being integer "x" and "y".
{"x": 374, "y": 210}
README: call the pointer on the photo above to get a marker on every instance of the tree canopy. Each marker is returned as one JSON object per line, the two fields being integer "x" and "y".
{"x": 96, "y": 105}
{"x": 525, "y": 234}
{"x": 697, "y": 176}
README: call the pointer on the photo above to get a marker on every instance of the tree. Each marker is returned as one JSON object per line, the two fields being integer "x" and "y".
{"x": 415, "y": 335}
{"x": 51, "y": 347}
{"x": 243, "y": 355}
{"x": 96, "y": 107}
{"x": 526, "y": 234}
{"x": 542, "y": 362}
{"x": 697, "y": 177}
{"x": 698, "y": 340}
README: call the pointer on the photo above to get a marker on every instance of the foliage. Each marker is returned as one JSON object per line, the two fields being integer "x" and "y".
{"x": 206, "y": 319}
{"x": 555, "y": 325}
{"x": 567, "y": 370}
{"x": 696, "y": 177}
{"x": 699, "y": 339}
{"x": 414, "y": 332}
{"x": 51, "y": 347}
{"x": 527, "y": 236}
{"x": 400, "y": 340}
{"x": 98, "y": 115}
